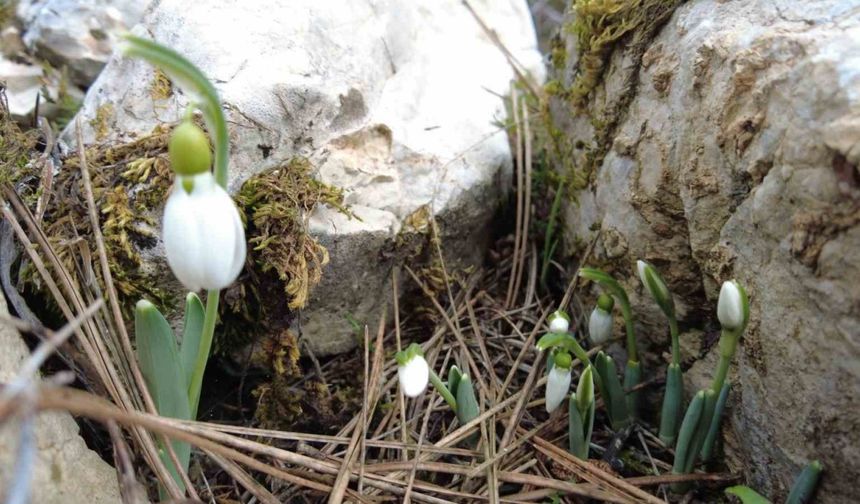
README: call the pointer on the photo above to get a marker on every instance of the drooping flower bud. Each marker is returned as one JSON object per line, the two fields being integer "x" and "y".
{"x": 656, "y": 287}
{"x": 188, "y": 150}
{"x": 203, "y": 234}
{"x": 558, "y": 381}
{"x": 413, "y": 373}
{"x": 559, "y": 322}
{"x": 733, "y": 306}
{"x": 600, "y": 322}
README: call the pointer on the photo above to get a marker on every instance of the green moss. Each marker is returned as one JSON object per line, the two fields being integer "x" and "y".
{"x": 160, "y": 88}
{"x": 275, "y": 204}
{"x": 130, "y": 182}
{"x": 101, "y": 122}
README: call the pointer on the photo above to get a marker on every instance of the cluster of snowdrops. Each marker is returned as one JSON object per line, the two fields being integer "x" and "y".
{"x": 205, "y": 245}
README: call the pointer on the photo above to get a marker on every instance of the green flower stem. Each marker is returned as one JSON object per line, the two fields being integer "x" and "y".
{"x": 443, "y": 390}
{"x": 676, "y": 344}
{"x": 632, "y": 352}
{"x": 209, "y": 320}
{"x": 728, "y": 345}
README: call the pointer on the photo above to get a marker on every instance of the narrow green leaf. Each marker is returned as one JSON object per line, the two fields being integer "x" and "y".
{"x": 192, "y": 330}
{"x": 746, "y": 494}
{"x": 159, "y": 361}
{"x": 804, "y": 485}
{"x": 613, "y": 395}
{"x": 550, "y": 340}
{"x": 467, "y": 405}
{"x": 702, "y": 429}
{"x": 716, "y": 421}
{"x": 685, "y": 438}
{"x": 454, "y": 376}
{"x": 670, "y": 416}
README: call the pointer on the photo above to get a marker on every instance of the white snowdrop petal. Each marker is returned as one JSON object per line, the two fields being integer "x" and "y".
{"x": 178, "y": 235}
{"x": 239, "y": 245}
{"x": 599, "y": 326}
{"x": 557, "y": 386}
{"x": 414, "y": 376}
{"x": 730, "y": 310}
{"x": 203, "y": 235}
{"x": 559, "y": 325}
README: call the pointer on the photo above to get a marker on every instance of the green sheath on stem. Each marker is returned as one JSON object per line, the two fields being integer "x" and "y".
{"x": 632, "y": 378}
{"x": 670, "y": 417}
{"x": 612, "y": 392}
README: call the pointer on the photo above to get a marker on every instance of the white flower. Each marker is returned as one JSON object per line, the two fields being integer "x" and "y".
{"x": 557, "y": 385}
{"x": 202, "y": 233}
{"x": 730, "y": 307}
{"x": 559, "y": 322}
{"x": 413, "y": 376}
{"x": 599, "y": 326}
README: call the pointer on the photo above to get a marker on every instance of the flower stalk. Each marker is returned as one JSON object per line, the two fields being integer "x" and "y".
{"x": 670, "y": 413}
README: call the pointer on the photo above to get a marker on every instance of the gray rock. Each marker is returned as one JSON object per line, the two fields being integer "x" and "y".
{"x": 65, "y": 471}
{"x": 78, "y": 34}
{"x": 394, "y": 102}
{"x": 736, "y": 157}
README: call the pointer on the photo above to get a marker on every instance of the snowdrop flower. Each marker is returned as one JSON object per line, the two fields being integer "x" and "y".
{"x": 202, "y": 231}
{"x": 559, "y": 322}
{"x": 733, "y": 307}
{"x": 600, "y": 322}
{"x": 412, "y": 370}
{"x": 656, "y": 287}
{"x": 558, "y": 381}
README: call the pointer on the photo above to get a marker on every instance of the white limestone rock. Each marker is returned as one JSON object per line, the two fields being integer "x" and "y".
{"x": 65, "y": 471}
{"x": 78, "y": 34}
{"x": 394, "y": 101}
{"x": 737, "y": 158}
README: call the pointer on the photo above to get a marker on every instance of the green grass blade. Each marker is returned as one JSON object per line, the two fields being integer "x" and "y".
{"x": 192, "y": 330}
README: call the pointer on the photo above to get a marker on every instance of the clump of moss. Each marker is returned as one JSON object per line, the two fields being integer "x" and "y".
{"x": 598, "y": 25}
{"x": 275, "y": 205}
{"x": 16, "y": 146}
{"x": 101, "y": 122}
{"x": 130, "y": 182}
{"x": 160, "y": 88}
